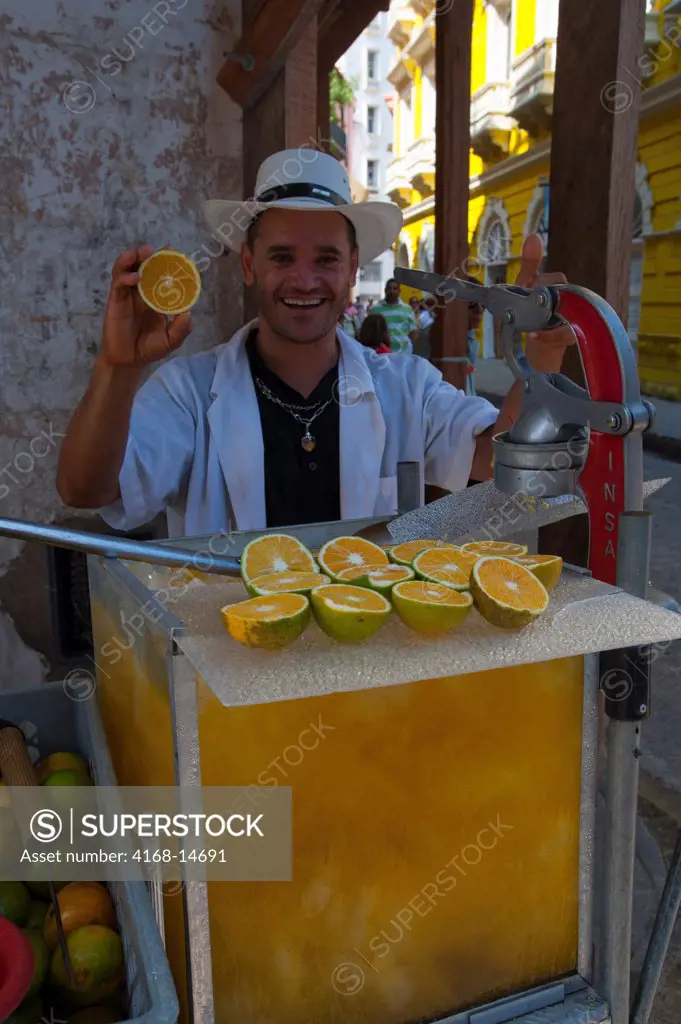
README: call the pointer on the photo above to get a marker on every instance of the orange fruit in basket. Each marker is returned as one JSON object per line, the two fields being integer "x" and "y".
{"x": 61, "y": 761}
{"x": 96, "y": 955}
{"x": 350, "y": 553}
{"x": 169, "y": 282}
{"x": 507, "y": 594}
{"x": 41, "y": 959}
{"x": 15, "y": 902}
{"x": 450, "y": 566}
{"x": 80, "y": 903}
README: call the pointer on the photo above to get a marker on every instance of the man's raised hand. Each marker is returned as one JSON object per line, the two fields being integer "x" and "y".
{"x": 134, "y": 335}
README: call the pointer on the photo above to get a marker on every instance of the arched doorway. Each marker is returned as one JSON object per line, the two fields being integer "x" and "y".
{"x": 643, "y": 225}
{"x": 494, "y": 250}
{"x": 537, "y": 220}
{"x": 425, "y": 256}
{"x": 402, "y": 256}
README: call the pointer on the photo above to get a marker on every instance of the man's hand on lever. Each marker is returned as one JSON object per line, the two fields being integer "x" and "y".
{"x": 545, "y": 351}
{"x": 134, "y": 336}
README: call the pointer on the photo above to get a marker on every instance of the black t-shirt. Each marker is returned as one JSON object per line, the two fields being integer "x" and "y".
{"x": 300, "y": 486}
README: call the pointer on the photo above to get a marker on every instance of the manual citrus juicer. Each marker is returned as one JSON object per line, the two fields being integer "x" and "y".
{"x": 567, "y": 439}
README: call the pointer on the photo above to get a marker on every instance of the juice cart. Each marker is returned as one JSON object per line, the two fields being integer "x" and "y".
{"x": 449, "y": 863}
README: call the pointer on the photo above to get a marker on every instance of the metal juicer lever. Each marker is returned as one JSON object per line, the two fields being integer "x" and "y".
{"x": 528, "y": 310}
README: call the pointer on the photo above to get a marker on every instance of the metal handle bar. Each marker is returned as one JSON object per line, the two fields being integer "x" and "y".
{"x": 530, "y": 309}
{"x": 119, "y": 547}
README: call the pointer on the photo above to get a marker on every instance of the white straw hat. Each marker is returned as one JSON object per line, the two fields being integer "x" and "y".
{"x": 306, "y": 179}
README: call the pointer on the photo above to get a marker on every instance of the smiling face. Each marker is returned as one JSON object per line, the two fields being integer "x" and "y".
{"x": 302, "y": 268}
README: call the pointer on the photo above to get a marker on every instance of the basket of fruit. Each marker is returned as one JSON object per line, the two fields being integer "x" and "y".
{"x": 119, "y": 970}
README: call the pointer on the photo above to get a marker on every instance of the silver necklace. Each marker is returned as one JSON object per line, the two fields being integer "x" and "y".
{"x": 308, "y": 441}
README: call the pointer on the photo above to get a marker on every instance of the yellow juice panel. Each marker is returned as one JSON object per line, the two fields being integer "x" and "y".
{"x": 133, "y": 700}
{"x": 435, "y": 847}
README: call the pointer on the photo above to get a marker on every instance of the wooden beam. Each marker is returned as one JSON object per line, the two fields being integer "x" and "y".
{"x": 274, "y": 29}
{"x": 284, "y": 117}
{"x": 323, "y": 112}
{"x": 593, "y": 150}
{"x": 454, "y": 29}
{"x": 339, "y": 30}
{"x": 593, "y": 160}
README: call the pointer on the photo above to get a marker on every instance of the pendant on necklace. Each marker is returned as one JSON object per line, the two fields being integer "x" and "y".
{"x": 308, "y": 442}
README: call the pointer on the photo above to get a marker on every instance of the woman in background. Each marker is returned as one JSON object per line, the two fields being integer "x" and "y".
{"x": 374, "y": 333}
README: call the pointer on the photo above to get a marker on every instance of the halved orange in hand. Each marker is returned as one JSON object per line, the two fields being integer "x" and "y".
{"x": 169, "y": 282}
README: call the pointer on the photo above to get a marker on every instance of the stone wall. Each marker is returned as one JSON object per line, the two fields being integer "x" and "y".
{"x": 112, "y": 132}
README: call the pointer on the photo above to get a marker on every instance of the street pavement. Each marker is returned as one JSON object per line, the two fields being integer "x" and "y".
{"x": 660, "y": 803}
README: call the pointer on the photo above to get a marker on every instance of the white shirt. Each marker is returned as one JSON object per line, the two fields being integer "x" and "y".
{"x": 195, "y": 446}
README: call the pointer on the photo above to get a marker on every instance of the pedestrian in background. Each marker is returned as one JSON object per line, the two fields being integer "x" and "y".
{"x": 374, "y": 333}
{"x": 424, "y": 319}
{"x": 475, "y": 314}
{"x": 400, "y": 318}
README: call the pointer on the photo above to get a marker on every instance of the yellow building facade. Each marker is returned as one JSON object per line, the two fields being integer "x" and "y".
{"x": 512, "y": 79}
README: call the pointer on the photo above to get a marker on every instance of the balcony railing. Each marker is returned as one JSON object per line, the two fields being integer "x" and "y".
{"x": 421, "y": 45}
{"x": 532, "y": 79}
{"x": 490, "y": 122}
{"x": 401, "y": 21}
{"x": 399, "y": 73}
{"x": 397, "y": 184}
{"x": 419, "y": 165}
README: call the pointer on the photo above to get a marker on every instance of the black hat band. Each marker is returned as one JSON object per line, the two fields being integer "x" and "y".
{"x": 301, "y": 191}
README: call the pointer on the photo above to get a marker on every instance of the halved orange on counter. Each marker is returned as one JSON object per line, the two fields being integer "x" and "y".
{"x": 547, "y": 568}
{"x": 270, "y": 622}
{"x": 349, "y": 613}
{"x": 404, "y": 554}
{"x": 506, "y": 593}
{"x": 502, "y": 548}
{"x": 430, "y": 608}
{"x": 447, "y": 565}
{"x": 355, "y": 573}
{"x": 275, "y": 552}
{"x": 285, "y": 583}
{"x": 381, "y": 578}
{"x": 169, "y": 282}
{"x": 350, "y": 553}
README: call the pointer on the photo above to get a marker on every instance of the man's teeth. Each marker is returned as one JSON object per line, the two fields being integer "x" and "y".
{"x": 302, "y": 302}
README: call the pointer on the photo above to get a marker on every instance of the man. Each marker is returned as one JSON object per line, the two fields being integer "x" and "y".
{"x": 400, "y": 318}
{"x": 290, "y": 421}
